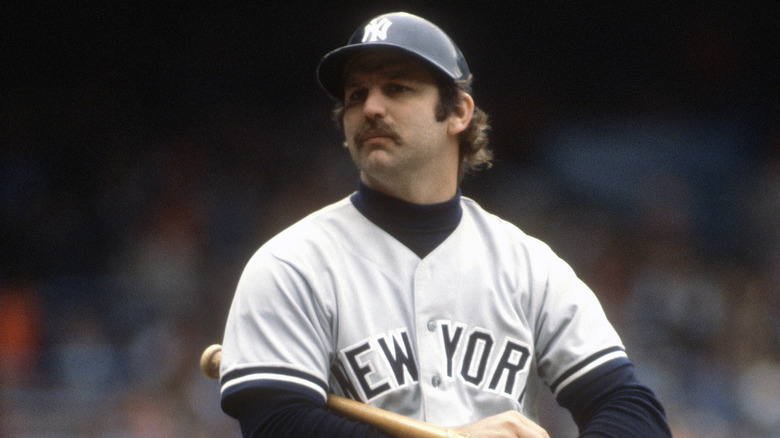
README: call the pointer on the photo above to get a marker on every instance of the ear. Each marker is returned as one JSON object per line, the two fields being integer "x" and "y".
{"x": 459, "y": 120}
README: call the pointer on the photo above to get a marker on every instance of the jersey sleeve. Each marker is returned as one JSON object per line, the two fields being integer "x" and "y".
{"x": 573, "y": 335}
{"x": 277, "y": 334}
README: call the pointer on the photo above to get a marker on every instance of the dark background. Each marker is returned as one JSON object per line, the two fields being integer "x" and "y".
{"x": 148, "y": 148}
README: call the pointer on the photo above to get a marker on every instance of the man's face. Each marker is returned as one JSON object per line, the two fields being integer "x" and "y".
{"x": 389, "y": 119}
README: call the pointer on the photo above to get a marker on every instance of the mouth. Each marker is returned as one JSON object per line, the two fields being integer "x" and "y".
{"x": 373, "y": 135}
{"x": 375, "y": 130}
{"x": 377, "y": 137}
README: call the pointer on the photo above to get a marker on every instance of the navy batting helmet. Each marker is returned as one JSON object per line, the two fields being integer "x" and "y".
{"x": 399, "y": 30}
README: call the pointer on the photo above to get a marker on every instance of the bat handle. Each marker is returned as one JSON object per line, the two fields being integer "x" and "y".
{"x": 389, "y": 422}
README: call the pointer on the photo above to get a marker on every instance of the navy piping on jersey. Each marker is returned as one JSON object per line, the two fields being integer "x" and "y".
{"x": 270, "y": 383}
{"x": 419, "y": 227}
{"x": 235, "y": 374}
{"x": 586, "y": 362}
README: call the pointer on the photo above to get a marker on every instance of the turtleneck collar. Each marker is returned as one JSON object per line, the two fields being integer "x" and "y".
{"x": 421, "y": 227}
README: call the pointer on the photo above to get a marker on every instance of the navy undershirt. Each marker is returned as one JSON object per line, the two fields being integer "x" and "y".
{"x": 420, "y": 227}
{"x": 608, "y": 401}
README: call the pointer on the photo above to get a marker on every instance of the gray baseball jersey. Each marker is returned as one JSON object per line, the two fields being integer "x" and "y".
{"x": 334, "y": 303}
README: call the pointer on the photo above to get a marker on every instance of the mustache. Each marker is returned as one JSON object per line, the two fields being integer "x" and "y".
{"x": 377, "y": 126}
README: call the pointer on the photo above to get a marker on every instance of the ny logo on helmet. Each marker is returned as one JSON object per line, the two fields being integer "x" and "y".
{"x": 376, "y": 30}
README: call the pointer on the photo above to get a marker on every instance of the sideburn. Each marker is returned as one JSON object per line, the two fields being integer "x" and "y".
{"x": 449, "y": 93}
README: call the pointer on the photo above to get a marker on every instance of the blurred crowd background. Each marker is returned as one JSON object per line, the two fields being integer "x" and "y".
{"x": 149, "y": 148}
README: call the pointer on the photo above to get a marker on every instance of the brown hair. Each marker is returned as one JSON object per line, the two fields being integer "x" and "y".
{"x": 473, "y": 141}
{"x": 474, "y": 153}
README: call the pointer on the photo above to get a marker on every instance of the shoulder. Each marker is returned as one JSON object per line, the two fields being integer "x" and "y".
{"x": 301, "y": 244}
{"x": 323, "y": 239}
{"x": 500, "y": 233}
{"x": 322, "y": 227}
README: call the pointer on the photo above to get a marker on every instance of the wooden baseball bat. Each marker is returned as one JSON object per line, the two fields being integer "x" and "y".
{"x": 388, "y": 422}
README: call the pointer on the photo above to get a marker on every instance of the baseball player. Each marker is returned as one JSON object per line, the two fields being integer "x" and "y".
{"x": 408, "y": 296}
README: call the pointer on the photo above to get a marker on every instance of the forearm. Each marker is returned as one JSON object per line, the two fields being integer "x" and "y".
{"x": 283, "y": 414}
{"x": 632, "y": 413}
{"x": 615, "y": 404}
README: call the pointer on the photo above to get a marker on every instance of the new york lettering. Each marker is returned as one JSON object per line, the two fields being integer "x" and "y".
{"x": 387, "y": 362}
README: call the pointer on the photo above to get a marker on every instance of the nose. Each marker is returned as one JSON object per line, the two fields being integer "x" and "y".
{"x": 375, "y": 104}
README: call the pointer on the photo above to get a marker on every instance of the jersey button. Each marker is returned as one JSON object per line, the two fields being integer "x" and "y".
{"x": 431, "y": 325}
{"x": 436, "y": 381}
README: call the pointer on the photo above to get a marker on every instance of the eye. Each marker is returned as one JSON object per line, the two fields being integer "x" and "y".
{"x": 354, "y": 96}
{"x": 395, "y": 88}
